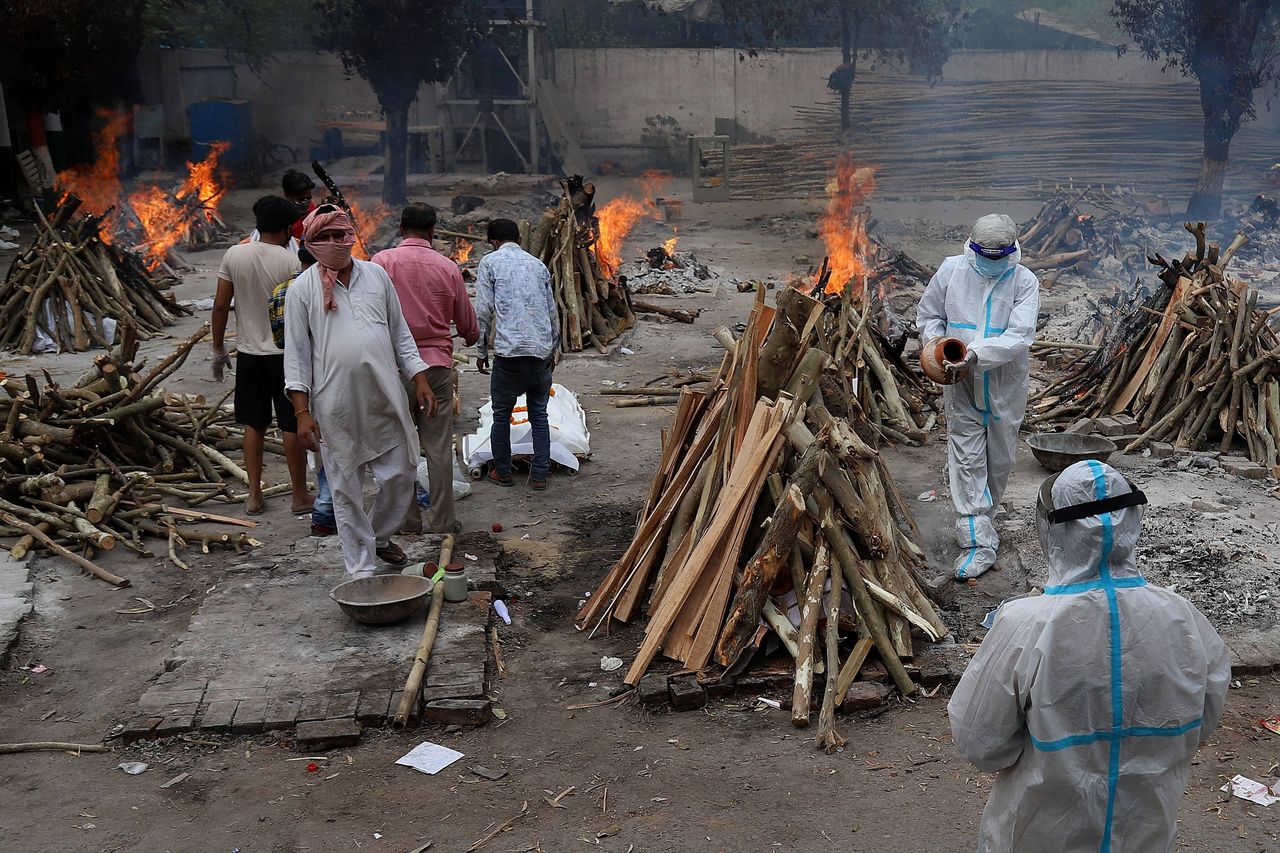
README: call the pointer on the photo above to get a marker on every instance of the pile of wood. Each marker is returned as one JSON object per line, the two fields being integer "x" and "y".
{"x": 69, "y": 280}
{"x": 769, "y": 486}
{"x": 1195, "y": 362}
{"x": 594, "y": 308}
{"x": 1066, "y": 234}
{"x": 107, "y": 460}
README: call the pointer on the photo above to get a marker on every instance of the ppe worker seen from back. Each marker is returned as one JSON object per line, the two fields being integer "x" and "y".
{"x": 986, "y": 299}
{"x": 1089, "y": 701}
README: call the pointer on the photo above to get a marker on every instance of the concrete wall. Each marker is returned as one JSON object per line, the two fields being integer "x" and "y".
{"x": 288, "y": 95}
{"x": 611, "y": 92}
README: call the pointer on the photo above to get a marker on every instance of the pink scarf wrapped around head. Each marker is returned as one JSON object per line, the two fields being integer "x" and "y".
{"x": 333, "y": 256}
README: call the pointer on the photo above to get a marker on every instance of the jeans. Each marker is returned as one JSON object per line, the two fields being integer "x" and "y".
{"x": 322, "y": 511}
{"x": 512, "y": 377}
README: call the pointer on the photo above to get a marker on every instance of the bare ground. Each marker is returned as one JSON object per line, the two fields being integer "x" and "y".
{"x": 729, "y": 778}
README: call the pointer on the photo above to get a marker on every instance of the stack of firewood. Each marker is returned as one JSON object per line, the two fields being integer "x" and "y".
{"x": 69, "y": 280}
{"x": 1194, "y": 362}
{"x": 594, "y": 308}
{"x": 103, "y": 461}
{"x": 1066, "y": 234}
{"x": 770, "y": 490}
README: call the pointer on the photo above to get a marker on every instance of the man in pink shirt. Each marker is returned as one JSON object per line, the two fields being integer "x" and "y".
{"x": 432, "y": 297}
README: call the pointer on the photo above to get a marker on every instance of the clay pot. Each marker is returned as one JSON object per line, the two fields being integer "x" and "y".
{"x": 938, "y": 350}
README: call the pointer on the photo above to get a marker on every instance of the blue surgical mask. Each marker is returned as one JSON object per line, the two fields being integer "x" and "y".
{"x": 988, "y": 267}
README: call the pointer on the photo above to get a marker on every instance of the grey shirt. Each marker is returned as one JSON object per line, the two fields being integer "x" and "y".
{"x": 514, "y": 299}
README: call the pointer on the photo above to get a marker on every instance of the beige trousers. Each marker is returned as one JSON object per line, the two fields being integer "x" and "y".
{"x": 435, "y": 440}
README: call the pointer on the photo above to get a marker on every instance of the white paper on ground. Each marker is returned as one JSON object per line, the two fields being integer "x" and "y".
{"x": 430, "y": 758}
{"x": 1247, "y": 789}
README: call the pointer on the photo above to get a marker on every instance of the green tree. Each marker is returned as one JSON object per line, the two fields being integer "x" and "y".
{"x": 918, "y": 31}
{"x": 70, "y": 54}
{"x": 1230, "y": 48}
{"x": 397, "y": 45}
{"x": 249, "y": 30}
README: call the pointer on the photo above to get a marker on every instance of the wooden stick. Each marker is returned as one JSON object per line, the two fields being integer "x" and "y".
{"x": 39, "y": 536}
{"x": 40, "y": 745}
{"x": 413, "y": 684}
{"x": 808, "y": 630}
{"x": 829, "y": 740}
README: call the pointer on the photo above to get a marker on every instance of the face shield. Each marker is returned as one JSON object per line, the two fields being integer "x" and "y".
{"x": 1049, "y": 516}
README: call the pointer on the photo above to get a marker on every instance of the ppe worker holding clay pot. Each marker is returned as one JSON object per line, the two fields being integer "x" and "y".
{"x": 987, "y": 300}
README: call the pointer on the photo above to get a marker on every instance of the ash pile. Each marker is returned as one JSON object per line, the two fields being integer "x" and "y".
{"x": 665, "y": 271}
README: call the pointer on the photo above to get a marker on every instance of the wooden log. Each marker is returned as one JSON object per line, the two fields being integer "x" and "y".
{"x": 809, "y": 612}
{"x": 678, "y": 314}
{"x": 43, "y": 538}
{"x": 769, "y": 560}
{"x": 829, "y": 740}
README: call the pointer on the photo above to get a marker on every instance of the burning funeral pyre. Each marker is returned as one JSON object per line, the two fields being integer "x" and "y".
{"x": 1193, "y": 362}
{"x": 105, "y": 461}
{"x": 151, "y": 220}
{"x": 781, "y": 434}
{"x": 70, "y": 286}
{"x": 581, "y": 246}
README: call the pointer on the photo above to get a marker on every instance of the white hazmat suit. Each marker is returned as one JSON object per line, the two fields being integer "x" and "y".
{"x": 995, "y": 315}
{"x": 1090, "y": 700}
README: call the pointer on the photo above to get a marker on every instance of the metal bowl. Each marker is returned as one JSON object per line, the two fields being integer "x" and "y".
{"x": 382, "y": 599}
{"x": 1059, "y": 450}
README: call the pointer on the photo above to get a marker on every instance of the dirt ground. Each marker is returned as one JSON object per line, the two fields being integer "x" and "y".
{"x": 733, "y": 777}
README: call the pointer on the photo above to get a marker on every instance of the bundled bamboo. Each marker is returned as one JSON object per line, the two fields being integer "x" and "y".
{"x": 594, "y": 307}
{"x": 106, "y": 460}
{"x": 769, "y": 468}
{"x": 68, "y": 281}
{"x": 1194, "y": 362}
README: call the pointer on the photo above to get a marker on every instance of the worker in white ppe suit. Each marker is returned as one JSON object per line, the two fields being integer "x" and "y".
{"x": 986, "y": 299}
{"x": 1089, "y": 701}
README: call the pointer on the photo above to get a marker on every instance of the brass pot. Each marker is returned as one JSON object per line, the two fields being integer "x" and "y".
{"x": 937, "y": 351}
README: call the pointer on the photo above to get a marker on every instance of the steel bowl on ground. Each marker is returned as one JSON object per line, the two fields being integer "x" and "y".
{"x": 1059, "y": 450}
{"x": 382, "y": 599}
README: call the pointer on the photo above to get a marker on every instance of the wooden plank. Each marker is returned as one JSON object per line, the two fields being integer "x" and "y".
{"x": 767, "y": 420}
{"x": 1153, "y": 349}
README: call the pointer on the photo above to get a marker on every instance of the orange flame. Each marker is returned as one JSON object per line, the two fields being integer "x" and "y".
{"x": 98, "y": 184}
{"x": 616, "y": 219}
{"x": 367, "y": 224}
{"x": 462, "y": 250}
{"x": 166, "y": 218}
{"x": 669, "y": 246}
{"x": 843, "y": 228}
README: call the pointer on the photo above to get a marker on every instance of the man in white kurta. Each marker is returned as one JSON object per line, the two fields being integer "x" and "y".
{"x": 347, "y": 360}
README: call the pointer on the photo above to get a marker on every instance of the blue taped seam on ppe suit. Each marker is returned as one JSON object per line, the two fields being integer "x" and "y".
{"x": 1090, "y": 701}
{"x": 996, "y": 318}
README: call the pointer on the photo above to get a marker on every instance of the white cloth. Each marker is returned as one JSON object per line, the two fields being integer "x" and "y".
{"x": 293, "y": 245}
{"x": 1089, "y": 701}
{"x": 254, "y": 270}
{"x": 347, "y": 360}
{"x": 996, "y": 318}
{"x": 361, "y": 531}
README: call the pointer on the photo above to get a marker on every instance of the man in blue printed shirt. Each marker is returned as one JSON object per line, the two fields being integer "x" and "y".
{"x": 515, "y": 303}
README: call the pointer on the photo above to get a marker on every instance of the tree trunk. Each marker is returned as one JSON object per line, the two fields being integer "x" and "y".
{"x": 1220, "y": 125}
{"x": 393, "y": 176}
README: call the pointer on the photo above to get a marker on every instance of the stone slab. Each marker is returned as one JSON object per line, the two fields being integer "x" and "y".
{"x": 652, "y": 690}
{"x": 459, "y": 712}
{"x": 17, "y": 596}
{"x": 328, "y": 734}
{"x": 250, "y": 717}
{"x": 217, "y": 716}
{"x": 686, "y": 693}
{"x": 268, "y": 650}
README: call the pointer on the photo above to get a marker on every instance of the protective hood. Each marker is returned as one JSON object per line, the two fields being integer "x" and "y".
{"x": 1094, "y": 547}
{"x": 1012, "y": 261}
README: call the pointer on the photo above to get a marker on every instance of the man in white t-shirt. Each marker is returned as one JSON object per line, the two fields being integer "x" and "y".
{"x": 249, "y": 273}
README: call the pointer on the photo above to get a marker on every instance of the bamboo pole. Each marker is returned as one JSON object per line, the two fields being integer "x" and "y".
{"x": 413, "y": 684}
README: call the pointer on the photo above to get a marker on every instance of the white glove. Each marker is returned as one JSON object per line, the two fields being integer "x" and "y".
{"x": 957, "y": 371}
